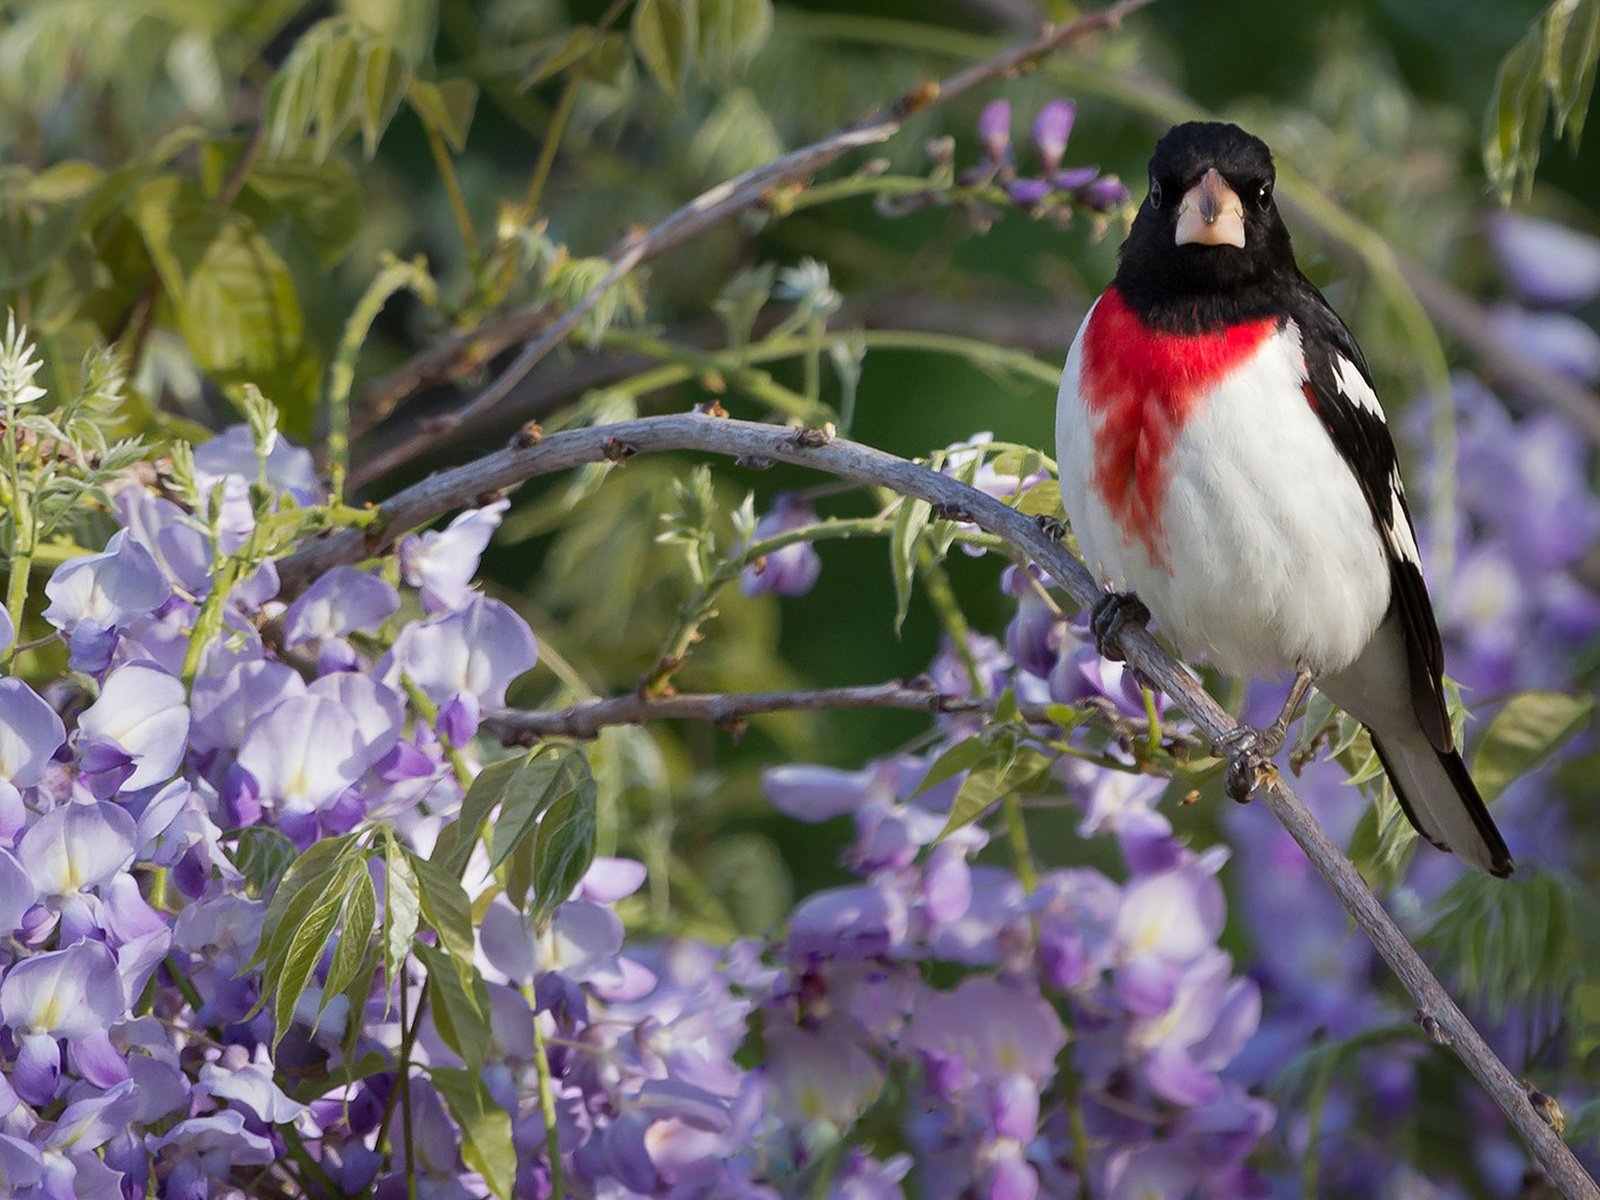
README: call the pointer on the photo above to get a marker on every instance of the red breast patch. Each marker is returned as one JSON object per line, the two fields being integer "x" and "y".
{"x": 1144, "y": 385}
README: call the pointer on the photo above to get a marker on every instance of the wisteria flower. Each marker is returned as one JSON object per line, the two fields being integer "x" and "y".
{"x": 1547, "y": 263}
{"x": 233, "y": 453}
{"x": 791, "y": 570}
{"x": 463, "y": 660}
{"x": 30, "y": 734}
{"x": 134, "y": 735}
{"x": 442, "y": 563}
{"x": 73, "y": 994}
{"x": 92, "y": 597}
{"x": 342, "y": 601}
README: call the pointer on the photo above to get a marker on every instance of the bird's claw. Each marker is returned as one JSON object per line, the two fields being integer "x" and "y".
{"x": 1249, "y": 753}
{"x": 1052, "y": 527}
{"x": 1112, "y": 614}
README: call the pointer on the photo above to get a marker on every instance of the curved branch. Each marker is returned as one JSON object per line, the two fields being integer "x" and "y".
{"x": 548, "y": 330}
{"x": 818, "y": 448}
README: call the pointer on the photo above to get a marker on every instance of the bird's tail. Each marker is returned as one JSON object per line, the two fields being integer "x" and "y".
{"x": 1442, "y": 802}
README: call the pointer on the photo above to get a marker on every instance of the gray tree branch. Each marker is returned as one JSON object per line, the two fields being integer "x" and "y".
{"x": 756, "y": 443}
{"x": 585, "y": 719}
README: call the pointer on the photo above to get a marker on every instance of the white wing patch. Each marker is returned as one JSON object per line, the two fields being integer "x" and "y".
{"x": 1397, "y": 529}
{"x": 1395, "y": 523}
{"x": 1354, "y": 386}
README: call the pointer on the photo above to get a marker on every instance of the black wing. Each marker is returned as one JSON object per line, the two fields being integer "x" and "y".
{"x": 1339, "y": 387}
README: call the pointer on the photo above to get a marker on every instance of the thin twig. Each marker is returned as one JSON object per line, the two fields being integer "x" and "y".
{"x": 819, "y": 449}
{"x": 522, "y": 727}
{"x": 710, "y": 207}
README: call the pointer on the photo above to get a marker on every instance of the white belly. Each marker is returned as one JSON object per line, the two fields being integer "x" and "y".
{"x": 1270, "y": 556}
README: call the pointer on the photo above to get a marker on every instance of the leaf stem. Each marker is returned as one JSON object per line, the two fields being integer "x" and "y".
{"x": 209, "y": 622}
{"x": 403, "y": 1082}
{"x": 429, "y": 712}
{"x": 563, "y": 111}
{"x": 948, "y": 610}
{"x": 20, "y": 558}
{"x": 1017, "y": 836}
{"x": 552, "y": 140}
{"x": 458, "y": 202}
{"x": 547, "y": 1109}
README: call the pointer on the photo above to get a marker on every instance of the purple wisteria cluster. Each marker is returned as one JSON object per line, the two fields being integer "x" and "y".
{"x": 983, "y": 189}
{"x": 999, "y": 1039}
{"x": 138, "y": 1058}
{"x": 1051, "y": 129}
{"x": 1085, "y": 1039}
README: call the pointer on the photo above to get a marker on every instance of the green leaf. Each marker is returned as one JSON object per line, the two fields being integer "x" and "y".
{"x": 1043, "y": 499}
{"x": 664, "y": 37}
{"x": 730, "y": 33}
{"x": 1515, "y": 120}
{"x": 459, "y": 1004}
{"x": 1551, "y": 71}
{"x": 554, "y": 55}
{"x": 357, "y": 917}
{"x": 1517, "y": 943}
{"x": 402, "y": 906}
{"x": 486, "y": 1145}
{"x": 456, "y": 840}
{"x": 909, "y": 523}
{"x": 320, "y": 201}
{"x": 303, "y": 948}
{"x": 983, "y": 786}
{"x": 263, "y": 856}
{"x": 1067, "y": 716}
{"x": 445, "y": 107}
{"x": 1572, "y": 49}
{"x": 338, "y": 79}
{"x": 736, "y": 136}
{"x": 1527, "y": 730}
{"x": 1320, "y": 713}
{"x": 543, "y": 779}
{"x": 563, "y": 849}
{"x": 232, "y": 294}
{"x": 1383, "y": 841}
{"x": 410, "y": 26}
{"x": 445, "y": 907}
{"x": 963, "y": 756}
{"x": 307, "y": 877}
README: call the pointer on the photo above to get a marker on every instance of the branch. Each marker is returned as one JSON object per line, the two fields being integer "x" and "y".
{"x": 726, "y": 199}
{"x": 522, "y": 727}
{"x": 1015, "y": 325}
{"x": 819, "y": 449}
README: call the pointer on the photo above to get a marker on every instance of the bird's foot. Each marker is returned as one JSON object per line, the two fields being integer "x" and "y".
{"x": 1112, "y": 614}
{"x": 1052, "y": 527}
{"x": 1250, "y": 751}
{"x": 1249, "y": 754}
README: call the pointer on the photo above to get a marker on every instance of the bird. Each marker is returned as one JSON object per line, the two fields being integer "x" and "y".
{"x": 1226, "y": 469}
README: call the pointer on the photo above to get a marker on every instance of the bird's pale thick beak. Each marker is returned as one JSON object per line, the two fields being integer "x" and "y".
{"x": 1211, "y": 214}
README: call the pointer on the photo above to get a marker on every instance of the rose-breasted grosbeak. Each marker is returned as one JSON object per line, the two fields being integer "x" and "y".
{"x": 1225, "y": 461}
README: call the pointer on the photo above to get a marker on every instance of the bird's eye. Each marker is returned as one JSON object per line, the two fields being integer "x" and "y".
{"x": 1155, "y": 192}
{"x": 1264, "y": 196}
